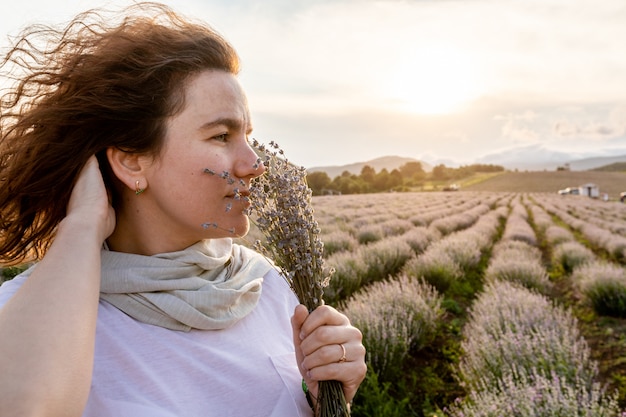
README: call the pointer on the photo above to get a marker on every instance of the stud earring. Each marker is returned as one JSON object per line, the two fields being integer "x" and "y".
{"x": 137, "y": 189}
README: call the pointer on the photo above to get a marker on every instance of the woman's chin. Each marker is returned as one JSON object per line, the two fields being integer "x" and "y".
{"x": 242, "y": 230}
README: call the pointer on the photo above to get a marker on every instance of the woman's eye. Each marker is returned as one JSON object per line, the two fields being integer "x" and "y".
{"x": 221, "y": 138}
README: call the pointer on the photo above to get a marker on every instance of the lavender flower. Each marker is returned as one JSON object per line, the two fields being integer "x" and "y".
{"x": 515, "y": 331}
{"x": 571, "y": 254}
{"x": 436, "y": 268}
{"x": 350, "y": 269}
{"x": 395, "y": 315}
{"x": 517, "y": 227}
{"x": 281, "y": 209}
{"x": 557, "y": 234}
{"x": 604, "y": 285}
{"x": 517, "y": 261}
{"x": 338, "y": 241}
{"x": 538, "y": 395}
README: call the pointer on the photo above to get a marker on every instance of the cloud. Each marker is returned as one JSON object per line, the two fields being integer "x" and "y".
{"x": 610, "y": 125}
{"x": 317, "y": 71}
{"x": 592, "y": 131}
{"x": 565, "y": 128}
{"x": 518, "y": 128}
{"x": 456, "y": 136}
{"x": 527, "y": 115}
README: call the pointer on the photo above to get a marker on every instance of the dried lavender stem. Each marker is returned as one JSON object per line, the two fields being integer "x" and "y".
{"x": 281, "y": 203}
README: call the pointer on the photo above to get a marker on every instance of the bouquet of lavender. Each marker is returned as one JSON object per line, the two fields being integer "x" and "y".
{"x": 281, "y": 209}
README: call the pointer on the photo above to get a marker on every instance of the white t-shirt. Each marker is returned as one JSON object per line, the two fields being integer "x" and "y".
{"x": 248, "y": 370}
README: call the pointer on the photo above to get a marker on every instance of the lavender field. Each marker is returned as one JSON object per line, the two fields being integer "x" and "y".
{"x": 482, "y": 303}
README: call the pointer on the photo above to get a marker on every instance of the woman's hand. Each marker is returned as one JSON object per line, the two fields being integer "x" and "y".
{"x": 328, "y": 347}
{"x": 89, "y": 200}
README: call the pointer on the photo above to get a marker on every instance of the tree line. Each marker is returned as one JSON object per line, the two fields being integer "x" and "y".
{"x": 404, "y": 178}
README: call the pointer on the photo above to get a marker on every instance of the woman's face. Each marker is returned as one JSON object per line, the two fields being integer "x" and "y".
{"x": 189, "y": 199}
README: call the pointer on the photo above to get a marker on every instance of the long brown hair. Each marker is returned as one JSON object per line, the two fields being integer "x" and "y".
{"x": 105, "y": 79}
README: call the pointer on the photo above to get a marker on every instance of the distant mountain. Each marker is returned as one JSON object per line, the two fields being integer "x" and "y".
{"x": 388, "y": 162}
{"x": 614, "y": 167}
{"x": 600, "y": 162}
{"x": 539, "y": 158}
{"x": 528, "y": 158}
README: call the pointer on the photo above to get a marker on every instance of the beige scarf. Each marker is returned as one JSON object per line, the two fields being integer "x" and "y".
{"x": 210, "y": 285}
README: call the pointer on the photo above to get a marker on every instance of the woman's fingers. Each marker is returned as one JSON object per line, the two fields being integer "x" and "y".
{"x": 323, "y": 315}
{"x": 328, "y": 347}
{"x": 89, "y": 199}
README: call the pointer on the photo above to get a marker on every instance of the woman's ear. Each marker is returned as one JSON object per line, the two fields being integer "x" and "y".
{"x": 129, "y": 167}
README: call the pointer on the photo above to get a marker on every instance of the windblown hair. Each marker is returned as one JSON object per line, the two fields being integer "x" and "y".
{"x": 105, "y": 80}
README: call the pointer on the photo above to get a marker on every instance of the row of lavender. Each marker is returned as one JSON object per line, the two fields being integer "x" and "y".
{"x": 396, "y": 256}
{"x": 401, "y": 313}
{"x": 369, "y": 244}
{"x": 601, "y": 280}
{"x": 522, "y": 354}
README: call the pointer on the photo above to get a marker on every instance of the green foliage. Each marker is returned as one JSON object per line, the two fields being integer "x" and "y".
{"x": 425, "y": 386}
{"x": 571, "y": 255}
{"x": 408, "y": 175}
{"x": 11, "y": 272}
{"x": 440, "y": 172}
{"x": 451, "y": 305}
{"x": 347, "y": 183}
{"x": 367, "y": 264}
{"x": 368, "y": 174}
{"x": 318, "y": 182}
{"x": 439, "y": 271}
{"x": 412, "y": 172}
{"x": 349, "y": 270}
{"x": 369, "y": 235}
{"x": 338, "y": 241}
{"x": 376, "y": 399}
{"x": 395, "y": 316}
{"x": 604, "y": 286}
{"x": 619, "y": 382}
{"x": 607, "y": 297}
{"x": 385, "y": 258}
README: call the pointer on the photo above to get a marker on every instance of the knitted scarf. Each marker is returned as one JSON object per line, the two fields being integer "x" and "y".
{"x": 210, "y": 285}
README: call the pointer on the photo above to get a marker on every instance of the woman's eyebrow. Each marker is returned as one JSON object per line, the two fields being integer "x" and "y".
{"x": 229, "y": 122}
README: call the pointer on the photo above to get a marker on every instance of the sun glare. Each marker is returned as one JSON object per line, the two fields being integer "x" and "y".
{"x": 432, "y": 81}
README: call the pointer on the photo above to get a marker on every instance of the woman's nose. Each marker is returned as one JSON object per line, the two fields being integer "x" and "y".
{"x": 249, "y": 164}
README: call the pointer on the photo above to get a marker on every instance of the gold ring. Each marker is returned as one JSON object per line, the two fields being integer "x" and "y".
{"x": 343, "y": 353}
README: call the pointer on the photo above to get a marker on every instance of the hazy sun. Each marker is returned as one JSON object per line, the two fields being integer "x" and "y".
{"x": 432, "y": 80}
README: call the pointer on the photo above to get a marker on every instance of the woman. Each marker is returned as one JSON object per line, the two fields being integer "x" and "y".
{"x": 135, "y": 309}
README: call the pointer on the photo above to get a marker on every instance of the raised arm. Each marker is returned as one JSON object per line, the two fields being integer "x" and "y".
{"x": 47, "y": 329}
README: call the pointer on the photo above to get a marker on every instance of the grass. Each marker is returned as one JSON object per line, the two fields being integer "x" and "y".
{"x": 612, "y": 183}
{"x": 477, "y": 178}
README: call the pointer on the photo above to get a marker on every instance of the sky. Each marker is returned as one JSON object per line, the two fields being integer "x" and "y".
{"x": 335, "y": 82}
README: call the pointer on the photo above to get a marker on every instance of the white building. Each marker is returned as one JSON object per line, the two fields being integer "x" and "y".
{"x": 589, "y": 190}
